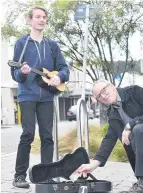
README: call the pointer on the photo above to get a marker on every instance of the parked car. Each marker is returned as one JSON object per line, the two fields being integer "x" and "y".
{"x": 71, "y": 113}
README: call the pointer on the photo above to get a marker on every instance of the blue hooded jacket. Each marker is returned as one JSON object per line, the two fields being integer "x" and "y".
{"x": 45, "y": 54}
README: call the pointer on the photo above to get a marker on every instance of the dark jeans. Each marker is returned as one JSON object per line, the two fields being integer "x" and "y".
{"x": 137, "y": 145}
{"x": 44, "y": 112}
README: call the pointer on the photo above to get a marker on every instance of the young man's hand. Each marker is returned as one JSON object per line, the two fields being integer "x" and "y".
{"x": 84, "y": 169}
{"x": 55, "y": 81}
{"x": 25, "y": 69}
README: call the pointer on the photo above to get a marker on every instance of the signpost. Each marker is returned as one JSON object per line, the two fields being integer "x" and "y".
{"x": 81, "y": 14}
{"x": 86, "y": 12}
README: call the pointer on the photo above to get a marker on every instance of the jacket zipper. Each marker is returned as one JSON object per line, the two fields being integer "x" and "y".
{"x": 40, "y": 64}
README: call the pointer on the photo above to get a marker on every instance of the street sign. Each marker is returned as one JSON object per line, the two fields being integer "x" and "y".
{"x": 95, "y": 12}
{"x": 117, "y": 77}
{"x": 80, "y": 13}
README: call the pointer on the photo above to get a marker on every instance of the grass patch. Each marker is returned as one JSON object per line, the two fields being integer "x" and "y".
{"x": 68, "y": 143}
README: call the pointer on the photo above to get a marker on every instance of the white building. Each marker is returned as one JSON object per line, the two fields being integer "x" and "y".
{"x": 8, "y": 88}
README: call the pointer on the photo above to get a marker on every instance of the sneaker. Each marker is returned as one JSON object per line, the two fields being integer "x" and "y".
{"x": 20, "y": 182}
{"x": 136, "y": 188}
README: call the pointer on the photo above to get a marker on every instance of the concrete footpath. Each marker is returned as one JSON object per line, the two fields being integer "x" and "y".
{"x": 120, "y": 174}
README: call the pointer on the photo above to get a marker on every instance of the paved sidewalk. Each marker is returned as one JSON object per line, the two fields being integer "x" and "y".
{"x": 120, "y": 174}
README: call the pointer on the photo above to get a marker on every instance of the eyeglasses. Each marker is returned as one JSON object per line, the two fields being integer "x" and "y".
{"x": 103, "y": 91}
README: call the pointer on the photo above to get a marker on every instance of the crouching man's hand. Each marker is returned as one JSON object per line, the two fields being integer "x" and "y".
{"x": 125, "y": 135}
{"x": 84, "y": 169}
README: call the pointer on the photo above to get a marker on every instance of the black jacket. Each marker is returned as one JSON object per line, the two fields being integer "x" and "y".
{"x": 132, "y": 103}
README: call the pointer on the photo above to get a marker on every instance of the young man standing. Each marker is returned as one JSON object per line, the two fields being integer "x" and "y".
{"x": 125, "y": 118}
{"x": 32, "y": 98}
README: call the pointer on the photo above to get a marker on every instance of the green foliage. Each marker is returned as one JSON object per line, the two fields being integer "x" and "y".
{"x": 11, "y": 31}
{"x": 105, "y": 129}
{"x": 119, "y": 12}
{"x": 95, "y": 138}
{"x": 96, "y": 133}
{"x": 42, "y": 3}
{"x": 119, "y": 153}
{"x": 109, "y": 32}
{"x": 63, "y": 3}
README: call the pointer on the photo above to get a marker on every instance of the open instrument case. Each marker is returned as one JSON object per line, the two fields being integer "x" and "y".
{"x": 43, "y": 176}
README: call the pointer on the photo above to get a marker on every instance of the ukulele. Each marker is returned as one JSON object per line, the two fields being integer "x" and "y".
{"x": 43, "y": 78}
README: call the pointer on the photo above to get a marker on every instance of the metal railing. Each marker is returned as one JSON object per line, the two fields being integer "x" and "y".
{"x": 80, "y": 120}
{"x": 82, "y": 127}
{"x": 55, "y": 135}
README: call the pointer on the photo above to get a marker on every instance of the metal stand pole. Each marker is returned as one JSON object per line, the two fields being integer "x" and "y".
{"x": 85, "y": 51}
{"x": 55, "y": 135}
{"x": 82, "y": 103}
{"x": 55, "y": 132}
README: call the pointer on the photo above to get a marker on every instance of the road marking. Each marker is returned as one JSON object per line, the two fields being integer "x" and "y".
{"x": 8, "y": 154}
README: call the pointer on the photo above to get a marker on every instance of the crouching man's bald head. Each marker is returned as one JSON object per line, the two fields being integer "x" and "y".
{"x": 104, "y": 92}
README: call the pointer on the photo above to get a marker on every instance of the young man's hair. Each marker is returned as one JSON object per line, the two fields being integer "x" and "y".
{"x": 30, "y": 12}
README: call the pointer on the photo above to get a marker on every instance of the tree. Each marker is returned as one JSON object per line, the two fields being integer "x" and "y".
{"x": 110, "y": 30}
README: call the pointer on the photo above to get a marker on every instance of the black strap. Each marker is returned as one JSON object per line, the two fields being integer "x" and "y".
{"x": 24, "y": 48}
{"x": 82, "y": 179}
{"x": 92, "y": 177}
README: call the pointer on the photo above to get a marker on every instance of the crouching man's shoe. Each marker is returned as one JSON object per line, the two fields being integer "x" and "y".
{"x": 20, "y": 182}
{"x": 136, "y": 188}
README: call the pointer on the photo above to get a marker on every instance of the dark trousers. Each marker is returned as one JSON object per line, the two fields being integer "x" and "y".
{"x": 44, "y": 112}
{"x": 137, "y": 145}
